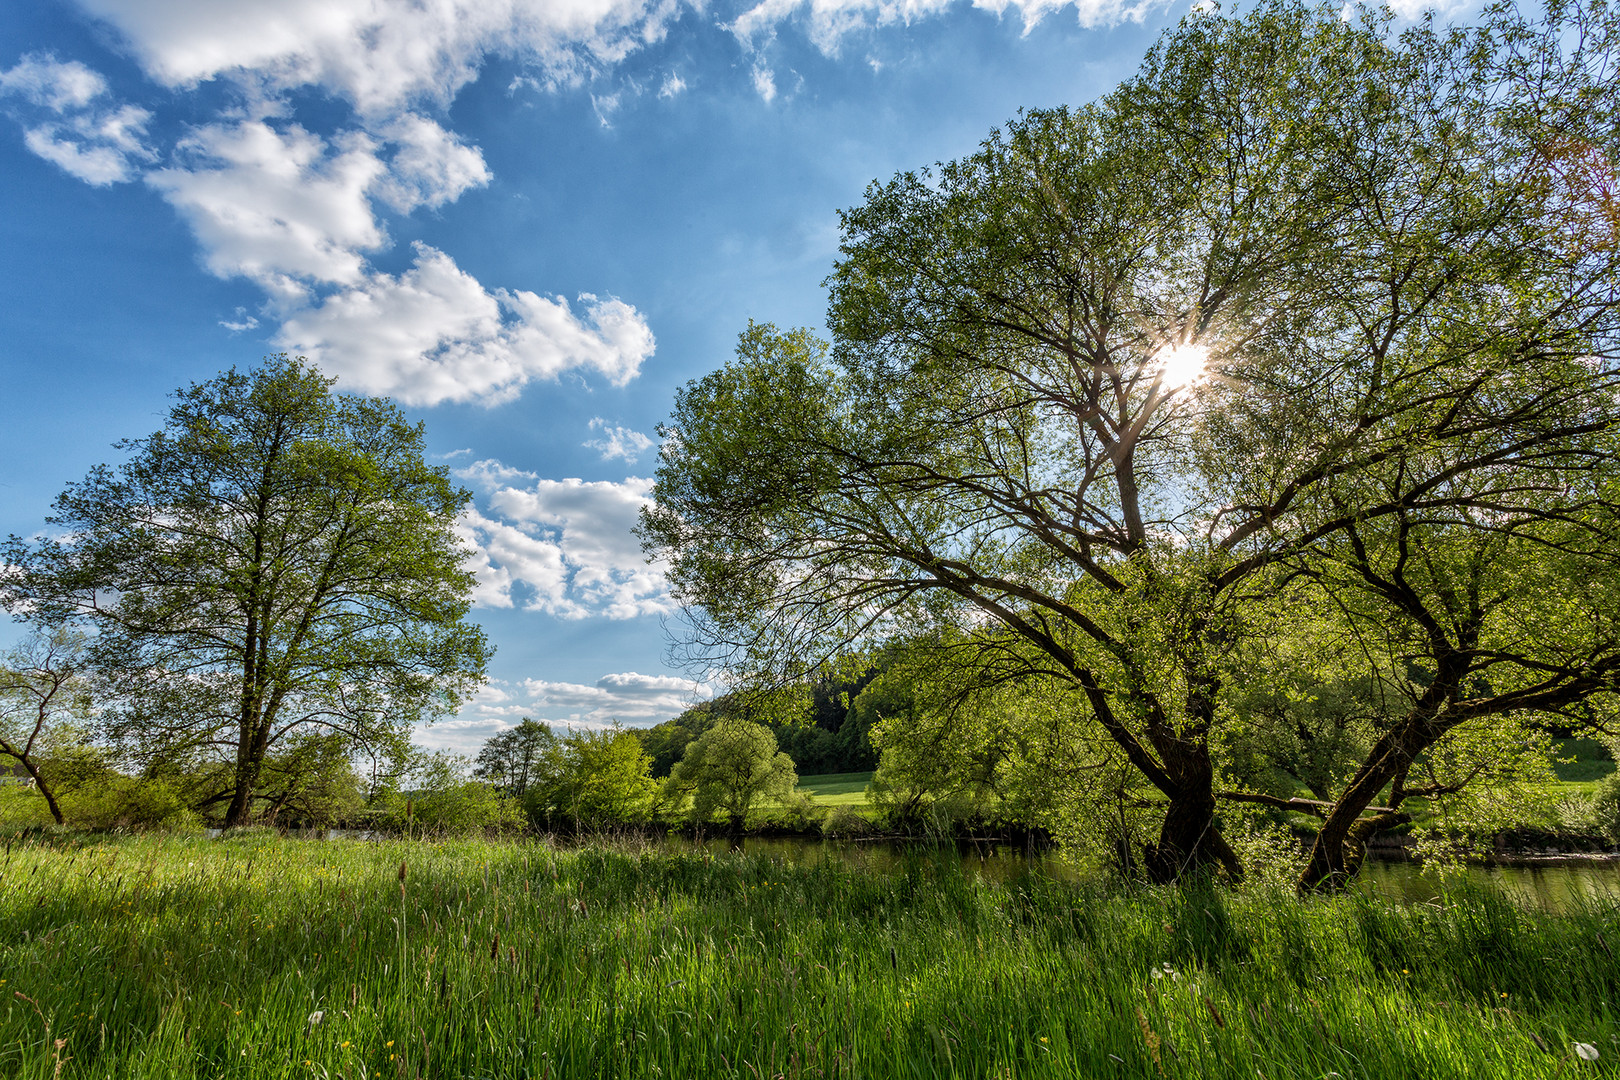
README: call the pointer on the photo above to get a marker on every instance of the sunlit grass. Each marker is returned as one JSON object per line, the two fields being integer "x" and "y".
{"x": 837, "y": 789}
{"x": 154, "y": 957}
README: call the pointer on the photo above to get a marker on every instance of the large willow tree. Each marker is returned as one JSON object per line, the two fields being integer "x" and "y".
{"x": 1301, "y": 298}
{"x": 277, "y": 561}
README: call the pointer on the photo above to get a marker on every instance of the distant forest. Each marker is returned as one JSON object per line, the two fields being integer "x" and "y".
{"x": 832, "y": 733}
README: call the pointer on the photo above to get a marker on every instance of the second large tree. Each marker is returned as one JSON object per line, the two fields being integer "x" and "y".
{"x": 1098, "y": 387}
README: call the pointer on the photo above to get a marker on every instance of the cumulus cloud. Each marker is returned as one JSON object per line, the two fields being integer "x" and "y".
{"x": 564, "y": 547}
{"x": 379, "y": 56}
{"x": 628, "y": 698}
{"x": 434, "y": 334}
{"x": 431, "y": 166}
{"x": 66, "y": 121}
{"x": 281, "y": 207}
{"x": 296, "y": 210}
{"x": 617, "y": 442}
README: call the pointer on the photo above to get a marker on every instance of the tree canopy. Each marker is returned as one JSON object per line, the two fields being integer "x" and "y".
{"x": 278, "y": 559}
{"x": 1304, "y": 299}
{"x": 731, "y": 767}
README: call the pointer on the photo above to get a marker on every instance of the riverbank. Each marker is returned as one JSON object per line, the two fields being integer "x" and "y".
{"x": 259, "y": 957}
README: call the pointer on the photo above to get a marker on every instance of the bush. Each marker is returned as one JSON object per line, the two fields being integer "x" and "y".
{"x": 125, "y": 802}
{"x": 1605, "y": 808}
{"x": 444, "y": 800}
{"x": 845, "y": 821}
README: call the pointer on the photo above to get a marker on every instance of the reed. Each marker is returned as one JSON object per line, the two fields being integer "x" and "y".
{"x": 262, "y": 957}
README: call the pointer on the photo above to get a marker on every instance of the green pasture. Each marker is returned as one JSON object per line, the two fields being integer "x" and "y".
{"x": 837, "y": 789}
{"x": 261, "y": 957}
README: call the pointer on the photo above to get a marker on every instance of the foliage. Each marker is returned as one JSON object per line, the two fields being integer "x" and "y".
{"x": 443, "y": 799}
{"x": 603, "y": 779}
{"x": 188, "y": 959}
{"x": 1304, "y": 301}
{"x": 514, "y": 759}
{"x": 44, "y": 708}
{"x": 278, "y": 559}
{"x": 311, "y": 781}
{"x": 1605, "y": 808}
{"x": 729, "y": 769}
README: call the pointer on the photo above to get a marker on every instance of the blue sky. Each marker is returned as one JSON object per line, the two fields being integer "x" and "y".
{"x": 529, "y": 221}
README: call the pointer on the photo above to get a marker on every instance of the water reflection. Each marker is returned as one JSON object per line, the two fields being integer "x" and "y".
{"x": 1551, "y": 886}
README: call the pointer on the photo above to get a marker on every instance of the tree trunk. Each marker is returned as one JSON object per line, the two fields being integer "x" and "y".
{"x": 1341, "y": 842}
{"x": 1189, "y": 841}
{"x": 249, "y": 760}
{"x": 45, "y": 790}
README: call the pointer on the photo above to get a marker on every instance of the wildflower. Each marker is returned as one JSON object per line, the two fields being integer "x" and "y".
{"x": 1586, "y": 1051}
{"x": 389, "y": 1044}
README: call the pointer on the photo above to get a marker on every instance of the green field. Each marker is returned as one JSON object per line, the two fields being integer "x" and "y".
{"x": 1591, "y": 761}
{"x": 837, "y": 789}
{"x": 260, "y": 957}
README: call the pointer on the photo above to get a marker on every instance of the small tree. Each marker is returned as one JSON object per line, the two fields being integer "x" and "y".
{"x": 730, "y": 768}
{"x": 442, "y": 797}
{"x": 43, "y": 690}
{"x": 312, "y": 780}
{"x": 517, "y": 757}
{"x": 603, "y": 778}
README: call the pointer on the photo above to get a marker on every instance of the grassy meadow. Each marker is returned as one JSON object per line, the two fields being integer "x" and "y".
{"x": 837, "y": 789}
{"x": 264, "y": 957}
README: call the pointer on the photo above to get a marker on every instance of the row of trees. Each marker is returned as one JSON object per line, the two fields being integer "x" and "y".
{"x": 1270, "y": 402}
{"x": 596, "y": 778}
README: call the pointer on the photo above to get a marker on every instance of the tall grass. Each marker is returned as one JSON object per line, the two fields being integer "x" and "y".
{"x": 262, "y": 957}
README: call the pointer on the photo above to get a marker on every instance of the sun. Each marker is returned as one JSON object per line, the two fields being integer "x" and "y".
{"x": 1181, "y": 364}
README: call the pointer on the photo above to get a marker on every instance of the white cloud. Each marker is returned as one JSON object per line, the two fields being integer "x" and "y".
{"x": 605, "y": 106}
{"x": 673, "y": 86}
{"x": 376, "y": 54}
{"x": 617, "y": 442}
{"x": 240, "y": 322}
{"x": 296, "y": 210}
{"x": 434, "y": 334}
{"x": 43, "y": 80}
{"x": 564, "y": 547}
{"x": 278, "y": 207}
{"x": 69, "y": 124}
{"x": 431, "y": 166}
{"x": 629, "y": 698}
{"x": 830, "y": 21}
{"x": 764, "y": 83}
